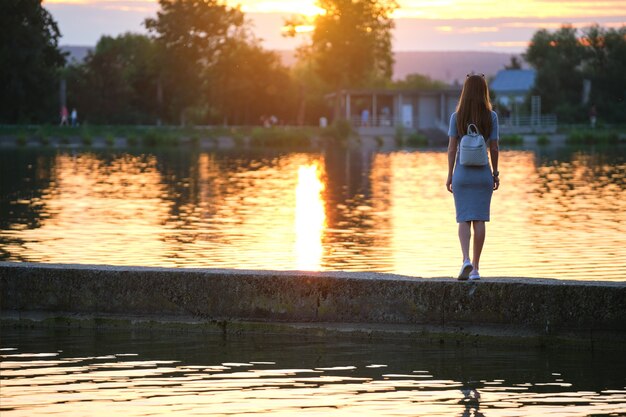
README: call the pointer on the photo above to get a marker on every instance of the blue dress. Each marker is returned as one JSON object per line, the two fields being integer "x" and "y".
{"x": 472, "y": 187}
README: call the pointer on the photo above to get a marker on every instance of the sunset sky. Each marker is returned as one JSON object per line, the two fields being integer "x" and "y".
{"x": 482, "y": 25}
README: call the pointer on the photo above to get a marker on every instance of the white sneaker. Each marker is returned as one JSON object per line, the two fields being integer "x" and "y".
{"x": 465, "y": 270}
{"x": 474, "y": 276}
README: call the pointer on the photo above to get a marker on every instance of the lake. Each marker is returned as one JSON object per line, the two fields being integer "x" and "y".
{"x": 79, "y": 372}
{"x": 560, "y": 212}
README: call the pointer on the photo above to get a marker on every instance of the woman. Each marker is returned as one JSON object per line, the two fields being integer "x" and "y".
{"x": 472, "y": 186}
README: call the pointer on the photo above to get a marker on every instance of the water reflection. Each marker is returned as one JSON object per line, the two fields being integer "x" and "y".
{"x": 558, "y": 213}
{"x": 422, "y": 233}
{"x": 133, "y": 373}
{"x": 85, "y": 208}
{"x": 310, "y": 218}
{"x": 471, "y": 402}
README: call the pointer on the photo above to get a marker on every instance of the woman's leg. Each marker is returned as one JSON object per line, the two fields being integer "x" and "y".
{"x": 479, "y": 241}
{"x": 465, "y": 234}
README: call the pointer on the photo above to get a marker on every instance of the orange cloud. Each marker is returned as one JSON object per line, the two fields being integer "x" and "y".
{"x": 489, "y": 9}
{"x": 434, "y": 9}
{"x": 470, "y": 29}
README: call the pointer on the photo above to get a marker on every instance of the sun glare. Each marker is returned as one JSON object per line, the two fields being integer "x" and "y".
{"x": 310, "y": 218}
{"x": 300, "y": 28}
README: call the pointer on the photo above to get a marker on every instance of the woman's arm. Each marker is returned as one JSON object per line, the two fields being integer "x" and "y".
{"x": 494, "y": 151}
{"x": 452, "y": 145}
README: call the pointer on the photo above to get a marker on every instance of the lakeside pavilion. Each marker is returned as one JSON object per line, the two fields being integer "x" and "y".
{"x": 381, "y": 111}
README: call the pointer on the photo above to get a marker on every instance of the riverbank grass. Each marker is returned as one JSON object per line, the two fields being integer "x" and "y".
{"x": 591, "y": 137}
{"x": 167, "y": 136}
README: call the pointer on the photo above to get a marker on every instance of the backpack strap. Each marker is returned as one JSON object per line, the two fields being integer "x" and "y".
{"x": 476, "y": 132}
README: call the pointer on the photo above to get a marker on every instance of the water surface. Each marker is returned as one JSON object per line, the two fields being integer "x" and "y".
{"x": 559, "y": 212}
{"x": 74, "y": 372}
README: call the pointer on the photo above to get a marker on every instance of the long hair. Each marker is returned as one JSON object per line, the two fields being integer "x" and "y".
{"x": 474, "y": 106}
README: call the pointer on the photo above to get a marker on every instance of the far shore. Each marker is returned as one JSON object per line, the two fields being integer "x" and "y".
{"x": 280, "y": 137}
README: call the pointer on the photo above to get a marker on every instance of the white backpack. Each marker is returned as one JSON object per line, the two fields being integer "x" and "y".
{"x": 473, "y": 149}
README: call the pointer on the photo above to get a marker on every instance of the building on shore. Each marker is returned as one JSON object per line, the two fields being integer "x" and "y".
{"x": 512, "y": 89}
{"x": 382, "y": 111}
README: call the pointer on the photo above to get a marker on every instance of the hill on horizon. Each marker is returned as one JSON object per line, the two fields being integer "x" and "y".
{"x": 447, "y": 66}
{"x": 450, "y": 66}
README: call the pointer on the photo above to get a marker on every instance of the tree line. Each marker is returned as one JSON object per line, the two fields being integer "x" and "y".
{"x": 578, "y": 70}
{"x": 201, "y": 64}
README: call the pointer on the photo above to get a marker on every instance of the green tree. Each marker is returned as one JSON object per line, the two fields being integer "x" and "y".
{"x": 565, "y": 58}
{"x": 514, "y": 64}
{"x": 192, "y": 36}
{"x": 248, "y": 82}
{"x": 351, "y": 42}
{"x": 118, "y": 81}
{"x": 605, "y": 68}
{"x": 558, "y": 59}
{"x": 29, "y": 63}
{"x": 309, "y": 92}
{"x": 419, "y": 82}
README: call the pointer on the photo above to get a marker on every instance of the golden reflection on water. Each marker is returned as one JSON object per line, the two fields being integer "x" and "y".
{"x": 421, "y": 212}
{"x": 99, "y": 212}
{"x": 561, "y": 218}
{"x": 245, "y": 212}
{"x": 310, "y": 218}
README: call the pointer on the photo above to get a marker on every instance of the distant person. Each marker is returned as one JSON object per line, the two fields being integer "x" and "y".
{"x": 593, "y": 113}
{"x": 365, "y": 116}
{"x": 74, "y": 117}
{"x": 506, "y": 113}
{"x": 472, "y": 186}
{"x": 63, "y": 116}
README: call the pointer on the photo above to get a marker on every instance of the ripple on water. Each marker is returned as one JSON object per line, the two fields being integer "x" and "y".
{"x": 555, "y": 216}
{"x": 73, "y": 386}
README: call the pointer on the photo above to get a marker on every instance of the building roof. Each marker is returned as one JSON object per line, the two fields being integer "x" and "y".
{"x": 509, "y": 81}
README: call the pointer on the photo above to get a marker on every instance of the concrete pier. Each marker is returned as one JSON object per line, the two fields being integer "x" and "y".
{"x": 534, "y": 311}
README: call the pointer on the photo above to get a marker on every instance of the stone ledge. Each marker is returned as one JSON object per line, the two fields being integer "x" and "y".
{"x": 532, "y": 309}
{"x": 418, "y": 334}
